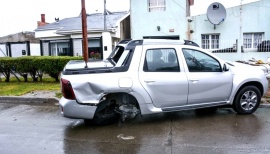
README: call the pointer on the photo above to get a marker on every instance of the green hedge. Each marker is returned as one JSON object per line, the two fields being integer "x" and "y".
{"x": 35, "y": 66}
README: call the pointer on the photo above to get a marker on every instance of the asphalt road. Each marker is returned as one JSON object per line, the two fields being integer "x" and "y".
{"x": 41, "y": 129}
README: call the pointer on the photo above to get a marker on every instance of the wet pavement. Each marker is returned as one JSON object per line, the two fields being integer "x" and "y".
{"x": 39, "y": 128}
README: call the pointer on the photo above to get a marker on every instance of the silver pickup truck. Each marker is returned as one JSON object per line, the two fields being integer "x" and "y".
{"x": 154, "y": 76}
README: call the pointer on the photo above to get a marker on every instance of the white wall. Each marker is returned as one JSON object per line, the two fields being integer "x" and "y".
{"x": 47, "y": 33}
{"x": 144, "y": 23}
{"x": 34, "y": 49}
{"x": 16, "y": 50}
{"x": 250, "y": 18}
{"x": 107, "y": 41}
{"x": 3, "y": 50}
{"x": 244, "y": 56}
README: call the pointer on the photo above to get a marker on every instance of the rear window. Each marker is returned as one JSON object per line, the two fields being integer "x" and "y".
{"x": 116, "y": 54}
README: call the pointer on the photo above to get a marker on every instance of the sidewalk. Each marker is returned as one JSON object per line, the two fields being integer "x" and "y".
{"x": 34, "y": 97}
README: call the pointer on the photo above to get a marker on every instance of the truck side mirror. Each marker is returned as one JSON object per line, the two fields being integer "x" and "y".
{"x": 225, "y": 68}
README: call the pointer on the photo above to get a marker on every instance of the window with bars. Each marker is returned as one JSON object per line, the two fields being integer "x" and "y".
{"x": 252, "y": 40}
{"x": 157, "y": 5}
{"x": 210, "y": 41}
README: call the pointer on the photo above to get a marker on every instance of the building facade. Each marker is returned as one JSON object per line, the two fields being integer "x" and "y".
{"x": 160, "y": 19}
{"x": 241, "y": 36}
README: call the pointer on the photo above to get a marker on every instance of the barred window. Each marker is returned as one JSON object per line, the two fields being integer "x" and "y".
{"x": 157, "y": 5}
{"x": 252, "y": 40}
{"x": 210, "y": 41}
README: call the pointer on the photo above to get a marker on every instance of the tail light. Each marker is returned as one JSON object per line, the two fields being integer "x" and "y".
{"x": 67, "y": 90}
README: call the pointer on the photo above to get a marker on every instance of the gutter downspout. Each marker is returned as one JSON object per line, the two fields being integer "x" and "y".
{"x": 84, "y": 30}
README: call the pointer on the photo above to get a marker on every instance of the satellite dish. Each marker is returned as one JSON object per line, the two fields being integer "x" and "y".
{"x": 216, "y": 13}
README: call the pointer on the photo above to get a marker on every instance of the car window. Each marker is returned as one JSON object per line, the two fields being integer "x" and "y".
{"x": 123, "y": 59}
{"x": 200, "y": 62}
{"x": 161, "y": 60}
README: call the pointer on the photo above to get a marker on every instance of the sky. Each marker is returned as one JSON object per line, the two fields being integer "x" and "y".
{"x": 200, "y": 6}
{"x": 22, "y": 15}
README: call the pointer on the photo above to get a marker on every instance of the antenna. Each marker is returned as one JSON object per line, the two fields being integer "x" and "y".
{"x": 216, "y": 14}
{"x": 105, "y": 12}
{"x": 56, "y": 20}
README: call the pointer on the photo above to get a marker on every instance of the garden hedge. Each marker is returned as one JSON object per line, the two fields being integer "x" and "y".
{"x": 35, "y": 66}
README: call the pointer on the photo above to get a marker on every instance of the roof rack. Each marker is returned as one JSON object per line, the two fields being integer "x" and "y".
{"x": 124, "y": 41}
{"x": 158, "y": 41}
{"x": 163, "y": 41}
{"x": 187, "y": 42}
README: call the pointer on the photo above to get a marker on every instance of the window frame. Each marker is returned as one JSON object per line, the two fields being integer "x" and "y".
{"x": 204, "y": 54}
{"x": 151, "y": 8}
{"x": 165, "y": 59}
{"x": 208, "y": 42}
{"x": 250, "y": 43}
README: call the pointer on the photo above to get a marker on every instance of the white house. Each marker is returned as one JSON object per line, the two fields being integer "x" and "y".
{"x": 64, "y": 37}
{"x": 239, "y": 36}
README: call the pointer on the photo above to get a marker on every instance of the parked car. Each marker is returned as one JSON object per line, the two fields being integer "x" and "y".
{"x": 264, "y": 46}
{"x": 155, "y": 76}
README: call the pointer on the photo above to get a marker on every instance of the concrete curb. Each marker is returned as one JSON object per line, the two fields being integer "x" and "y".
{"x": 22, "y": 99}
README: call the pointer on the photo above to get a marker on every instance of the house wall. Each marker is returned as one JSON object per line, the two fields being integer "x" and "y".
{"x": 250, "y": 18}
{"x": 125, "y": 29}
{"x": 3, "y": 50}
{"x": 35, "y": 49}
{"x": 47, "y": 33}
{"x": 16, "y": 50}
{"x": 144, "y": 23}
{"x": 106, "y": 44}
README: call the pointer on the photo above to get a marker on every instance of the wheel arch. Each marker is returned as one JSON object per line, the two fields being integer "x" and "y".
{"x": 251, "y": 83}
{"x": 119, "y": 98}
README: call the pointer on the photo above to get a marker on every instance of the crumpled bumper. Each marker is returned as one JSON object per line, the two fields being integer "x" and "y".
{"x": 71, "y": 109}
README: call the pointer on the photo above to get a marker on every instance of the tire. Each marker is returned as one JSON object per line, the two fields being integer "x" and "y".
{"x": 103, "y": 118}
{"x": 247, "y": 100}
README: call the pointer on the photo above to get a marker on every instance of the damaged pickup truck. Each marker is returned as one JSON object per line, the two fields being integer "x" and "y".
{"x": 154, "y": 76}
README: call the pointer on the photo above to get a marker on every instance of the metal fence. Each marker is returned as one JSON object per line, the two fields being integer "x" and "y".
{"x": 232, "y": 46}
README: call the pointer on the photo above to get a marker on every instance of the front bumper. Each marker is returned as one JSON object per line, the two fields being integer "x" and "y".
{"x": 71, "y": 109}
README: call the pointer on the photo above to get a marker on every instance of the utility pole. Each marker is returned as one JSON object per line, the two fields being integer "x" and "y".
{"x": 84, "y": 31}
{"x": 105, "y": 12}
{"x": 241, "y": 42}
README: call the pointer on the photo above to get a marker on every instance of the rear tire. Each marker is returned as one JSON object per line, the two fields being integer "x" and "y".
{"x": 247, "y": 100}
{"x": 106, "y": 117}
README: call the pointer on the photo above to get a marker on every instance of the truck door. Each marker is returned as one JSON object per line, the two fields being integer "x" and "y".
{"x": 207, "y": 82}
{"x": 162, "y": 77}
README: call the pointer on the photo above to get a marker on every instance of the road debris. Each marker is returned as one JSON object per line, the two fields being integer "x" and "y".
{"x": 121, "y": 136}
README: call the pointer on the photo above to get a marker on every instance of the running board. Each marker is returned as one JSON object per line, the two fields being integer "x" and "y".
{"x": 192, "y": 107}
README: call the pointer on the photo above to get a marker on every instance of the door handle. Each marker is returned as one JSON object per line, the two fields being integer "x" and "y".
{"x": 194, "y": 80}
{"x": 149, "y": 81}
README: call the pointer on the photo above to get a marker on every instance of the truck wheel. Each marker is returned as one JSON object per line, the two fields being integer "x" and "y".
{"x": 105, "y": 117}
{"x": 247, "y": 100}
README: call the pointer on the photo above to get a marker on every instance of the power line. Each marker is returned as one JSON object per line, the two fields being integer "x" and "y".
{"x": 179, "y": 5}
